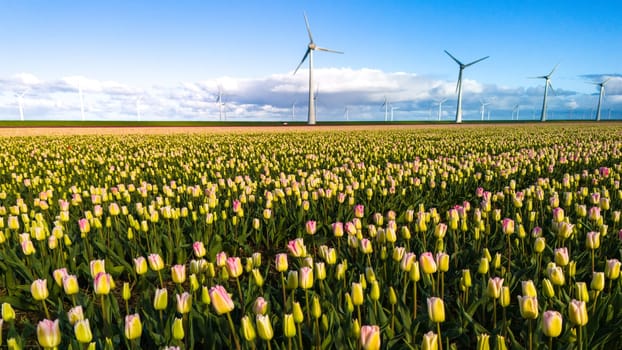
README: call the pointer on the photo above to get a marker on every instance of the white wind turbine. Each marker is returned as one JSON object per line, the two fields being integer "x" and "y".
{"x": 386, "y": 105}
{"x": 483, "y": 108}
{"x": 311, "y": 47}
{"x": 294, "y": 110}
{"x": 138, "y": 99}
{"x": 440, "y": 108}
{"x": 547, "y": 85}
{"x": 346, "y": 113}
{"x": 459, "y": 84}
{"x": 20, "y": 103}
{"x": 516, "y": 110}
{"x": 392, "y": 109}
{"x": 600, "y": 96}
{"x": 220, "y": 103}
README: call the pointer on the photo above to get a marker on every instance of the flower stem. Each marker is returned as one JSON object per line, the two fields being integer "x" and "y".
{"x": 440, "y": 338}
{"x": 235, "y": 336}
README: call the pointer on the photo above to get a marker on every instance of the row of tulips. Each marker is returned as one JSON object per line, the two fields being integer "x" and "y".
{"x": 423, "y": 239}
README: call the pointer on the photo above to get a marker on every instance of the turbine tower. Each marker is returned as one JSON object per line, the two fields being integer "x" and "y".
{"x": 459, "y": 84}
{"x": 600, "y": 96}
{"x": 220, "y": 103}
{"x": 517, "y": 110}
{"x": 392, "y": 109}
{"x": 440, "y": 108}
{"x": 294, "y": 110}
{"x": 310, "y": 48}
{"x": 483, "y": 108}
{"x": 547, "y": 85}
{"x": 346, "y": 113}
{"x": 386, "y": 105}
{"x": 20, "y": 102}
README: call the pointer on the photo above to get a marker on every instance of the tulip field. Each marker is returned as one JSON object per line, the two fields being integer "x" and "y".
{"x": 468, "y": 237}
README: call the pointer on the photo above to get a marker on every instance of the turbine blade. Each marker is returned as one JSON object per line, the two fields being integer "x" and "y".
{"x": 328, "y": 50}
{"x": 302, "y": 61}
{"x": 605, "y": 81}
{"x": 308, "y": 28}
{"x": 453, "y": 58}
{"x": 476, "y": 61}
{"x": 553, "y": 70}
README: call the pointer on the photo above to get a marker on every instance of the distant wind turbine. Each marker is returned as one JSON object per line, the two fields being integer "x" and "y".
{"x": 386, "y": 104}
{"x": 600, "y": 96}
{"x": 20, "y": 102}
{"x": 346, "y": 113}
{"x": 294, "y": 110}
{"x": 138, "y": 99}
{"x": 459, "y": 84}
{"x": 440, "y": 108}
{"x": 483, "y": 108}
{"x": 311, "y": 47}
{"x": 392, "y": 109}
{"x": 516, "y": 110}
{"x": 220, "y": 103}
{"x": 547, "y": 85}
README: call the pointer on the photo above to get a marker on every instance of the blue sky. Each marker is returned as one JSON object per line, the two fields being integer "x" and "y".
{"x": 177, "y": 54}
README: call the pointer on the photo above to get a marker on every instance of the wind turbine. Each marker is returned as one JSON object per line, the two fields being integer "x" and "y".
{"x": 346, "y": 113}
{"x": 547, "y": 85}
{"x": 294, "y": 110}
{"x": 516, "y": 110}
{"x": 310, "y": 48}
{"x": 459, "y": 84}
{"x": 138, "y": 99}
{"x": 483, "y": 108}
{"x": 81, "y": 101}
{"x": 20, "y": 102}
{"x": 386, "y": 105}
{"x": 393, "y": 108}
{"x": 600, "y": 96}
{"x": 440, "y": 108}
{"x": 220, "y": 102}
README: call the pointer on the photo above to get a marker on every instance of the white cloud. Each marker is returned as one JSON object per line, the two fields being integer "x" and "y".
{"x": 271, "y": 97}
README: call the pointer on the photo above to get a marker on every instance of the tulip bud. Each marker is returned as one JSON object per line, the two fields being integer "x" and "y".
{"x": 539, "y": 245}
{"x": 297, "y": 312}
{"x": 155, "y": 262}
{"x": 528, "y": 307}
{"x": 592, "y": 240}
{"x": 430, "y": 341}
{"x": 598, "y": 281}
{"x": 483, "y": 266}
{"x": 357, "y": 293}
{"x": 494, "y": 287}
{"x": 483, "y": 341}
{"x": 178, "y": 273}
{"x": 8, "y": 313}
{"x": 82, "y": 331}
{"x": 612, "y": 269}
{"x": 70, "y": 284}
{"x": 221, "y": 300}
{"x": 316, "y": 309}
{"x": 133, "y": 326}
{"x": 547, "y": 288}
{"x": 248, "y": 330}
{"x": 370, "y": 337}
{"x": 75, "y": 314}
{"x": 184, "y": 302}
{"x": 427, "y": 263}
{"x": 264, "y": 327}
{"x": 39, "y": 289}
{"x": 140, "y": 265}
{"x": 529, "y": 289}
{"x": 160, "y": 299}
{"x": 306, "y": 278}
{"x": 48, "y": 333}
{"x": 281, "y": 262}
{"x": 552, "y": 323}
{"x": 442, "y": 261}
{"x": 436, "y": 309}
{"x": 577, "y": 312}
